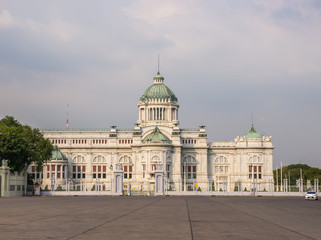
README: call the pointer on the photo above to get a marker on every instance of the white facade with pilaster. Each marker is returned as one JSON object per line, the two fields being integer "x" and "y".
{"x": 188, "y": 160}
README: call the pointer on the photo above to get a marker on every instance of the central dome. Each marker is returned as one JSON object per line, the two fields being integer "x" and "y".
{"x": 158, "y": 90}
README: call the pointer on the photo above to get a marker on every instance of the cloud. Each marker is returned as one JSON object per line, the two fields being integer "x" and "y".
{"x": 223, "y": 59}
{"x": 56, "y": 28}
{"x": 6, "y": 20}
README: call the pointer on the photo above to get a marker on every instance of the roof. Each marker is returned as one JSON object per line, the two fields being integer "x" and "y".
{"x": 156, "y": 136}
{"x": 253, "y": 134}
{"x": 57, "y": 154}
{"x": 158, "y": 90}
{"x": 84, "y": 130}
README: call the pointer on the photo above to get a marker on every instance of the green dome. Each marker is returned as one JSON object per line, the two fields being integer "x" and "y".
{"x": 57, "y": 154}
{"x": 158, "y": 90}
{"x": 156, "y": 136}
{"x": 253, "y": 134}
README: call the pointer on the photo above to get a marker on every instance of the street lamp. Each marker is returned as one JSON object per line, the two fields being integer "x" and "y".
{"x": 252, "y": 175}
{"x": 184, "y": 176}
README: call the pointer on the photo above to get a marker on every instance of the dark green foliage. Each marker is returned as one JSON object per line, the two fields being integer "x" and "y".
{"x": 293, "y": 170}
{"x": 236, "y": 188}
{"x": 199, "y": 189}
{"x": 22, "y": 145}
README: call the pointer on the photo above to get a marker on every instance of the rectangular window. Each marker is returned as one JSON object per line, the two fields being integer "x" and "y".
{"x": 255, "y": 168}
{"x": 191, "y": 172}
{"x": 52, "y": 168}
{"x": 99, "y": 168}
{"x": 94, "y": 175}
{"x": 260, "y": 176}
{"x": 104, "y": 175}
{"x": 144, "y": 167}
{"x": 94, "y": 168}
{"x": 260, "y": 168}
{"x": 99, "y": 175}
{"x": 104, "y": 168}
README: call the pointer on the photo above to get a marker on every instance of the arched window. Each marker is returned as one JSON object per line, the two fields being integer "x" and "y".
{"x": 127, "y": 165}
{"x": 99, "y": 159}
{"x": 189, "y": 167}
{"x": 78, "y": 159}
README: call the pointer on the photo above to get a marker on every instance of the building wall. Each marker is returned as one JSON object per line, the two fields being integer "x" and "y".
{"x": 11, "y": 184}
{"x": 222, "y": 163}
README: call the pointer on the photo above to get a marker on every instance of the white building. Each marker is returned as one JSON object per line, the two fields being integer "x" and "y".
{"x": 90, "y": 155}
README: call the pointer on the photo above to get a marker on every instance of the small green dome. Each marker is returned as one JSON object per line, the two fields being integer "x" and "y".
{"x": 253, "y": 134}
{"x": 57, "y": 154}
{"x": 158, "y": 90}
{"x": 156, "y": 136}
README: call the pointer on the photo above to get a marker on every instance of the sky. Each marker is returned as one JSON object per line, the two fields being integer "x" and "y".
{"x": 224, "y": 60}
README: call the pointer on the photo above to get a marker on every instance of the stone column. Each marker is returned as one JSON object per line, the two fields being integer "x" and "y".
{"x": 4, "y": 175}
{"x": 159, "y": 180}
{"x": 118, "y": 180}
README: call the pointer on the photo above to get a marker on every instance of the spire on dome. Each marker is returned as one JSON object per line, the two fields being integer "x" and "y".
{"x": 252, "y": 133}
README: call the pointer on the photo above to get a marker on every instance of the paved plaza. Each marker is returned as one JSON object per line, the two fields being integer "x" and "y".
{"x": 111, "y": 217}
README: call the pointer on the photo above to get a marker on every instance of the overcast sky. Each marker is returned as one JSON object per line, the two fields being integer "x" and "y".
{"x": 223, "y": 60}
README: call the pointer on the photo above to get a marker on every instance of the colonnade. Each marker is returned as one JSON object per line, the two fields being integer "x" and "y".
{"x": 157, "y": 113}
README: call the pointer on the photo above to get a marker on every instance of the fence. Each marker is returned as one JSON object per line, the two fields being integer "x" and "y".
{"x": 12, "y": 184}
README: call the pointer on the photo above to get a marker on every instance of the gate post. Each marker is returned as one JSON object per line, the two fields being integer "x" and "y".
{"x": 159, "y": 180}
{"x": 118, "y": 180}
{"x": 5, "y": 174}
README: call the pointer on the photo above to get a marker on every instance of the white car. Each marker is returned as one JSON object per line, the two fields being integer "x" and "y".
{"x": 311, "y": 195}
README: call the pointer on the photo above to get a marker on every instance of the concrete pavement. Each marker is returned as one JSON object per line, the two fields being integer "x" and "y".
{"x": 183, "y": 217}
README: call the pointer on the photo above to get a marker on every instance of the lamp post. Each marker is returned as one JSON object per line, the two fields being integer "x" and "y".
{"x": 281, "y": 179}
{"x": 252, "y": 176}
{"x": 184, "y": 176}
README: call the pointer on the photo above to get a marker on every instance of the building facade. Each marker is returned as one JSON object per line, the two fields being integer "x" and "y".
{"x": 88, "y": 156}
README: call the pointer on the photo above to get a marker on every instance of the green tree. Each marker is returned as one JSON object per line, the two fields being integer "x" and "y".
{"x": 293, "y": 170}
{"x": 311, "y": 174}
{"x": 22, "y": 145}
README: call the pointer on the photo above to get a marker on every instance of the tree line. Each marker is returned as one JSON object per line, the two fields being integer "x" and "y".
{"x": 292, "y": 173}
